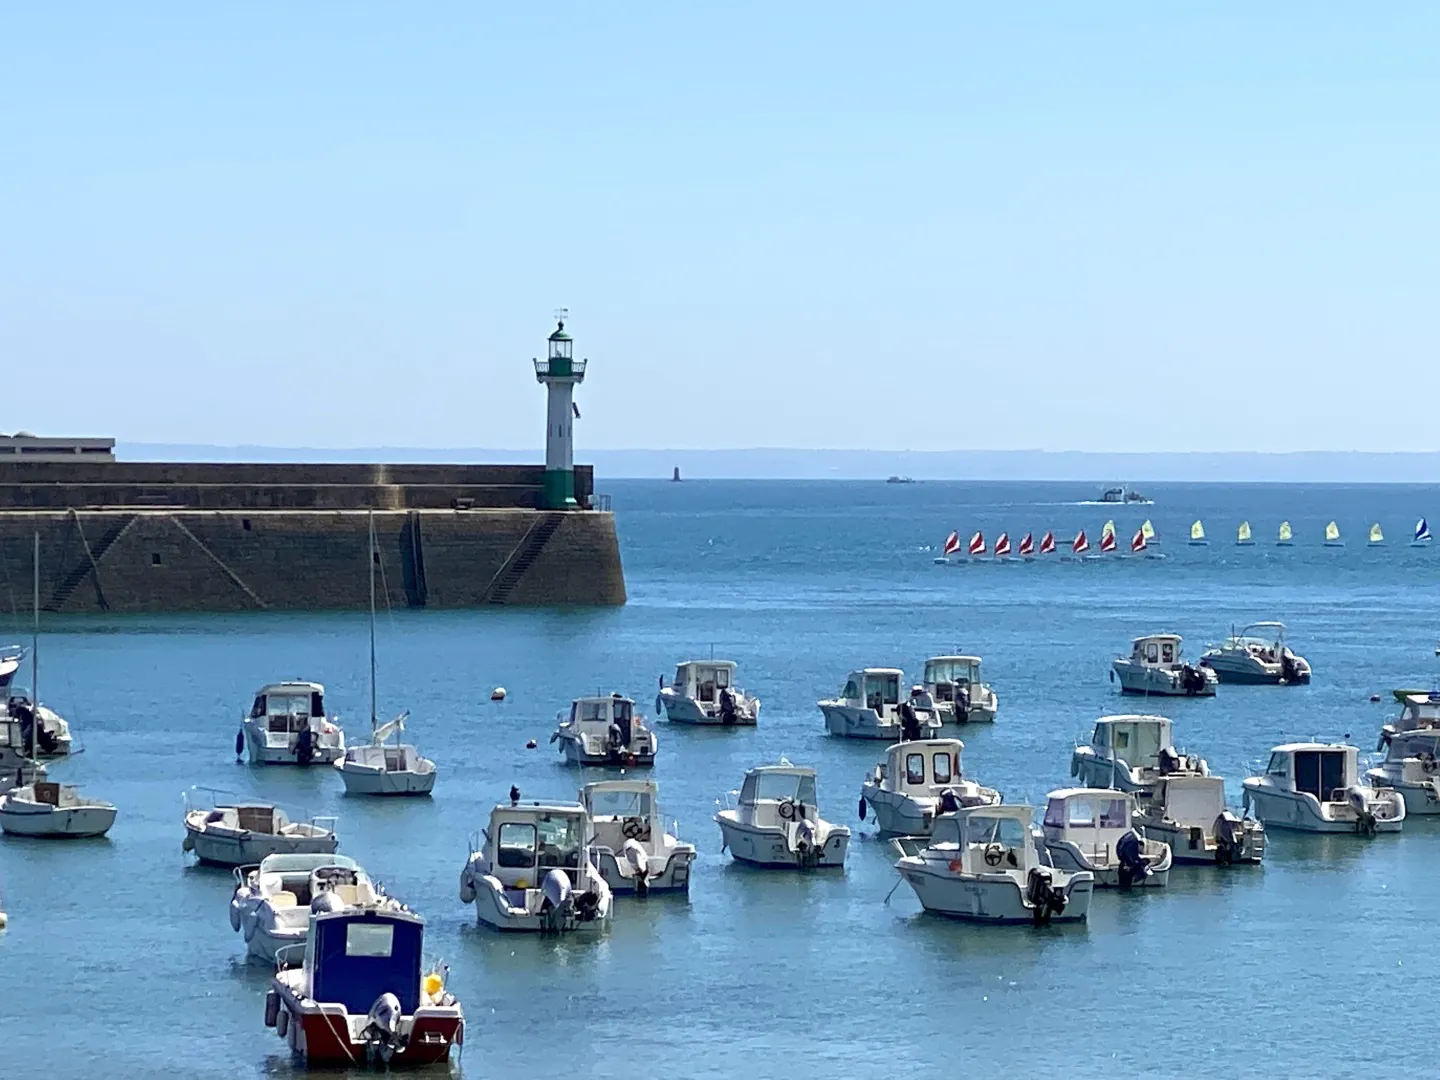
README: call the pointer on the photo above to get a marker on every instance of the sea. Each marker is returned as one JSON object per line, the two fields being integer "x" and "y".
{"x": 119, "y": 959}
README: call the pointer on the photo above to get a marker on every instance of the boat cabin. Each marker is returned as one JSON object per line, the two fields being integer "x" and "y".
{"x": 924, "y": 767}
{"x": 773, "y": 795}
{"x": 1418, "y": 711}
{"x": 528, "y": 840}
{"x": 622, "y": 810}
{"x": 945, "y": 674}
{"x": 1323, "y": 770}
{"x": 702, "y": 680}
{"x": 1135, "y": 740}
{"x": 288, "y": 708}
{"x": 353, "y": 957}
{"x": 385, "y": 757}
{"x": 1093, "y": 819}
{"x": 1156, "y": 650}
{"x": 877, "y": 689}
{"x": 988, "y": 839}
{"x": 596, "y": 714}
{"x": 1190, "y": 801}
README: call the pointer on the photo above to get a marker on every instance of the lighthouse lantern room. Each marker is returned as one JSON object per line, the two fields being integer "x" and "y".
{"x": 560, "y": 371}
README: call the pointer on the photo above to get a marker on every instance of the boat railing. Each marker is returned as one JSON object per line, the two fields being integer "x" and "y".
{"x": 242, "y": 873}
{"x": 329, "y": 823}
{"x": 289, "y": 956}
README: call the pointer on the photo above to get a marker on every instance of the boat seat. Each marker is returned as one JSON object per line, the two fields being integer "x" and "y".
{"x": 348, "y": 894}
{"x": 283, "y": 899}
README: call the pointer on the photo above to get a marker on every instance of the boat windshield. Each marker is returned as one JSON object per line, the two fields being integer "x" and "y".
{"x": 591, "y": 710}
{"x": 1320, "y": 773}
{"x": 779, "y": 786}
{"x": 883, "y": 689}
{"x": 1088, "y": 813}
{"x": 1136, "y": 742}
{"x": 619, "y": 803}
{"x": 995, "y": 830}
{"x": 938, "y": 671}
{"x": 559, "y": 841}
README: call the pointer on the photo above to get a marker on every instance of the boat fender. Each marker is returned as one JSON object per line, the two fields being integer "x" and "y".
{"x": 862, "y": 807}
{"x": 1112, "y": 674}
{"x": 467, "y": 885}
{"x": 659, "y": 703}
{"x": 1074, "y": 764}
{"x": 272, "y": 1008}
{"x": 235, "y": 911}
{"x": 239, "y": 744}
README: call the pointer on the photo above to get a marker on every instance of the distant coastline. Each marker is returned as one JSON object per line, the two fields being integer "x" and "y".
{"x": 1081, "y": 467}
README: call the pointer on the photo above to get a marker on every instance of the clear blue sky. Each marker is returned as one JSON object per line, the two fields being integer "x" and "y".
{"x": 1108, "y": 226}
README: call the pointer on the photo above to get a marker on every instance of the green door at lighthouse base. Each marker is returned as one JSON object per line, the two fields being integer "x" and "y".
{"x": 559, "y": 491}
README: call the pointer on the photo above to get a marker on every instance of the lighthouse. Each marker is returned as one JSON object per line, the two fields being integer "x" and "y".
{"x": 560, "y": 371}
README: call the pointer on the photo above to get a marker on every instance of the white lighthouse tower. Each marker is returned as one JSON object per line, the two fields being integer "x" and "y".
{"x": 560, "y": 371}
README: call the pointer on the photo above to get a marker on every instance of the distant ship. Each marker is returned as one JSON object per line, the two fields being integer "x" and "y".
{"x": 675, "y": 477}
{"x": 899, "y": 480}
{"x": 1122, "y": 495}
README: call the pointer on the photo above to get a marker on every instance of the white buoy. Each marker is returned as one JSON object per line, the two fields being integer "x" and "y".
{"x": 498, "y": 694}
{"x": 3, "y": 920}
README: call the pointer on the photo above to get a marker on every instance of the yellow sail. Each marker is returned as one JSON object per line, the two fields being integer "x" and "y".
{"x": 1197, "y": 531}
{"x": 1376, "y": 536}
{"x": 1108, "y": 530}
{"x": 1147, "y": 530}
{"x": 1242, "y": 534}
{"x": 1332, "y": 533}
{"x": 1286, "y": 534}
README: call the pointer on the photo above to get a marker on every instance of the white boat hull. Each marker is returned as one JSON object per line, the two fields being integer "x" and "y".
{"x": 850, "y": 722}
{"x": 982, "y": 713}
{"x": 1159, "y": 682}
{"x": 366, "y": 781}
{"x": 74, "y": 823}
{"x": 1100, "y": 772}
{"x": 1188, "y": 848}
{"x": 899, "y": 815}
{"x": 1421, "y": 797}
{"x": 986, "y": 898}
{"x": 575, "y": 752}
{"x": 243, "y": 850}
{"x": 1303, "y": 813}
{"x": 266, "y": 748}
{"x": 679, "y": 709}
{"x": 771, "y": 848}
{"x": 494, "y": 907}
{"x": 668, "y": 875}
{"x": 1066, "y": 856}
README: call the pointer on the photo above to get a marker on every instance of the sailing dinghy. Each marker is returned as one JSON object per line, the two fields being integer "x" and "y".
{"x": 1243, "y": 536}
{"x": 1107, "y": 537}
{"x": 1286, "y": 536}
{"x": 1047, "y": 544}
{"x": 1422, "y": 534}
{"x": 977, "y": 546}
{"x": 1002, "y": 546}
{"x": 1376, "y": 536}
{"x": 1027, "y": 546}
{"x": 1332, "y": 536}
{"x": 1197, "y": 535}
{"x": 1147, "y": 530}
{"x": 952, "y": 545}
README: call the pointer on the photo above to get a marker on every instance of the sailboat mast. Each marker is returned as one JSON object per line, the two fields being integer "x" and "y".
{"x": 370, "y": 559}
{"x": 35, "y": 654}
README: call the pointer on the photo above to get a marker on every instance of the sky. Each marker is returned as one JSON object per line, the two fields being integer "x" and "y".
{"x": 1124, "y": 227}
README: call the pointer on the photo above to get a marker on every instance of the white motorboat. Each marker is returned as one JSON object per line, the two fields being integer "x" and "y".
{"x": 46, "y": 809}
{"x": 534, "y": 871}
{"x": 1419, "y": 715}
{"x": 1411, "y": 767}
{"x": 917, "y": 782}
{"x": 1315, "y": 787}
{"x": 982, "y": 865}
{"x": 1132, "y": 753}
{"x": 272, "y": 902}
{"x": 383, "y": 768}
{"x": 632, "y": 849}
{"x": 48, "y": 731}
{"x": 605, "y": 731}
{"x": 241, "y": 834}
{"x": 1257, "y": 654}
{"x": 1189, "y": 814}
{"x": 287, "y": 725}
{"x": 776, "y": 822}
{"x": 1094, "y": 829}
{"x": 869, "y": 707}
{"x": 959, "y": 695}
{"x": 1154, "y": 668}
{"x": 704, "y": 692}
{"x": 361, "y": 996}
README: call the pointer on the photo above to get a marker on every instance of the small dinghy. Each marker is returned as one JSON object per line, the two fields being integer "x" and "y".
{"x": 361, "y": 997}
{"x": 54, "y": 811}
{"x": 870, "y": 707}
{"x": 1422, "y": 534}
{"x": 287, "y": 725}
{"x": 632, "y": 849}
{"x": 704, "y": 692}
{"x": 916, "y": 783}
{"x": 600, "y": 731}
{"x": 1286, "y": 536}
{"x": 776, "y": 822}
{"x": 1315, "y": 787}
{"x": 982, "y": 865}
{"x": 1377, "y": 536}
{"x": 957, "y": 692}
{"x": 1189, "y": 814}
{"x": 272, "y": 902}
{"x": 1132, "y": 753}
{"x": 1154, "y": 668}
{"x": 1257, "y": 655}
{"x": 1197, "y": 535}
{"x": 1094, "y": 829}
{"x": 1243, "y": 536}
{"x": 534, "y": 871}
{"x": 1332, "y": 536}
{"x": 241, "y": 834}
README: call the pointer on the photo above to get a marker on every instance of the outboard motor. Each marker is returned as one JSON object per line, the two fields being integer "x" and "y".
{"x": 962, "y": 703}
{"x": 558, "y": 902}
{"x": 1045, "y": 900}
{"x": 639, "y": 861}
{"x": 1130, "y": 852}
{"x": 1170, "y": 761}
{"x": 1229, "y": 838}
{"x": 909, "y": 722}
{"x": 587, "y": 906}
{"x": 1192, "y": 679}
{"x": 807, "y": 845}
{"x": 1359, "y": 801}
{"x": 305, "y": 746}
{"x": 949, "y": 801}
{"x": 382, "y": 1029}
{"x": 239, "y": 743}
{"x": 727, "y": 707}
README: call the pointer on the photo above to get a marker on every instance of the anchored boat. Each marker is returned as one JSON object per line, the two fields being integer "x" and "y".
{"x": 1315, "y": 787}
{"x": 241, "y": 834}
{"x": 632, "y": 849}
{"x": 1132, "y": 753}
{"x": 272, "y": 902}
{"x": 287, "y": 725}
{"x": 1094, "y": 829}
{"x": 776, "y": 822}
{"x": 54, "y": 811}
{"x": 1188, "y": 813}
{"x": 1154, "y": 668}
{"x": 869, "y": 707}
{"x": 957, "y": 691}
{"x": 916, "y": 783}
{"x": 605, "y": 731}
{"x": 1257, "y": 655}
{"x": 704, "y": 692}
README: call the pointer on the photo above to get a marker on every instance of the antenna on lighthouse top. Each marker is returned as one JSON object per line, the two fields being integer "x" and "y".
{"x": 561, "y": 314}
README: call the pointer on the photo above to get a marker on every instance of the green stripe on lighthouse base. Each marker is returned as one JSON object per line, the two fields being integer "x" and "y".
{"x": 559, "y": 493}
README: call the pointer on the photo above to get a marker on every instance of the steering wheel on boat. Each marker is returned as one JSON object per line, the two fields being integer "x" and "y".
{"x": 786, "y": 809}
{"x": 633, "y": 828}
{"x": 993, "y": 854}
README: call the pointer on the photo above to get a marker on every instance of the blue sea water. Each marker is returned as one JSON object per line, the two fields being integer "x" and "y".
{"x": 120, "y": 960}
